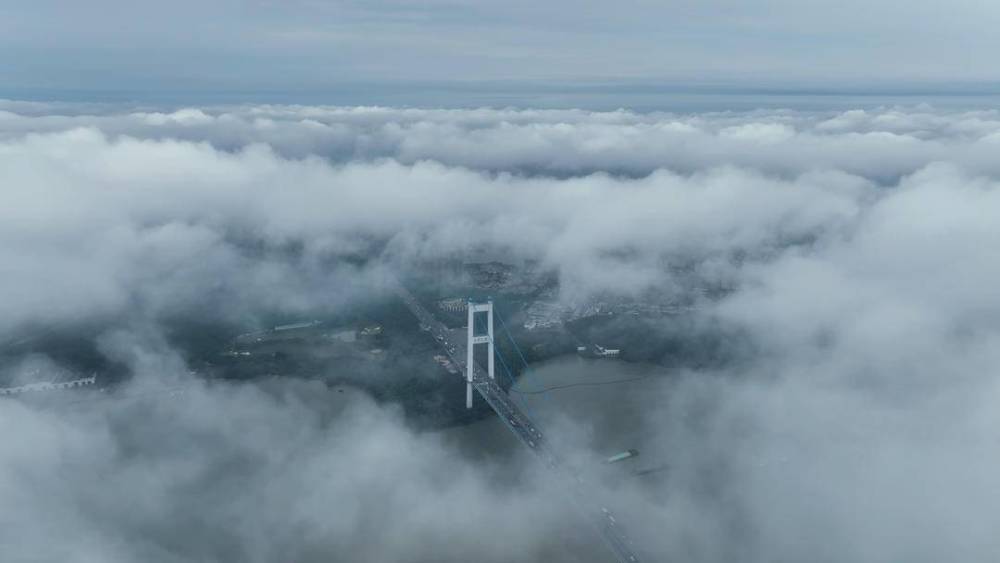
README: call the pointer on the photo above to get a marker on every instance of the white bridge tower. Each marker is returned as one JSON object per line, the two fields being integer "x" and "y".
{"x": 473, "y": 340}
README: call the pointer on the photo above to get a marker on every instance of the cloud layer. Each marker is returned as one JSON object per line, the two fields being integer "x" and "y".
{"x": 860, "y": 251}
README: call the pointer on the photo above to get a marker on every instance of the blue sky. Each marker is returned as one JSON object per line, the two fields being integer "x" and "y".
{"x": 463, "y": 51}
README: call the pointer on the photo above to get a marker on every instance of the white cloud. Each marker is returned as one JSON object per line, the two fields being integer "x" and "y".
{"x": 862, "y": 249}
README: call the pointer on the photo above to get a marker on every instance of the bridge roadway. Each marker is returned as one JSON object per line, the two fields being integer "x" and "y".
{"x": 453, "y": 343}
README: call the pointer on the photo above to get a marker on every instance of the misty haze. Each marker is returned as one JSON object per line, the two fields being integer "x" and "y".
{"x": 728, "y": 282}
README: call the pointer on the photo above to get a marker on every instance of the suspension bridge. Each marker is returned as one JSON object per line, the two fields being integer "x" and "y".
{"x": 511, "y": 414}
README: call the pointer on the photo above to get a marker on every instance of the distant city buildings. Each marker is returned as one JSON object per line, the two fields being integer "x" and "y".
{"x": 48, "y": 386}
{"x": 454, "y": 305}
{"x": 370, "y": 332}
{"x": 598, "y": 351}
{"x": 606, "y": 352}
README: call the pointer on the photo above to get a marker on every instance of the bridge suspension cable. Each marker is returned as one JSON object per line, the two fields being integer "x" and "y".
{"x": 506, "y": 367}
{"x": 510, "y": 337}
{"x": 499, "y": 355}
{"x": 524, "y": 361}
